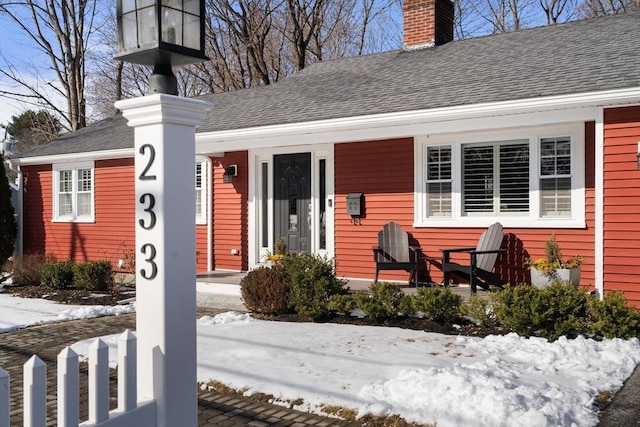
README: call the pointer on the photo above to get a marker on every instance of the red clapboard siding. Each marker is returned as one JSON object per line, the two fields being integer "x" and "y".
{"x": 230, "y": 213}
{"x": 107, "y": 238}
{"x": 383, "y": 171}
{"x": 201, "y": 248}
{"x": 622, "y": 202}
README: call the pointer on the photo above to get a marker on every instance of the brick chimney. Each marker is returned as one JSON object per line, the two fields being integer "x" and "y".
{"x": 427, "y": 23}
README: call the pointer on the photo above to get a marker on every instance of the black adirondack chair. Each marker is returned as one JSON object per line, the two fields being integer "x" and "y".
{"x": 394, "y": 252}
{"x": 482, "y": 260}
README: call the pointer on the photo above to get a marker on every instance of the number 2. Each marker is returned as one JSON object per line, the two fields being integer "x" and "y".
{"x": 152, "y": 156}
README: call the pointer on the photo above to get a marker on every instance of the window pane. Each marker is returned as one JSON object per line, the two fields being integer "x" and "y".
{"x": 555, "y": 197}
{"x": 555, "y": 156}
{"x": 64, "y": 205}
{"x": 438, "y": 163}
{"x": 477, "y": 177}
{"x": 66, "y": 181}
{"x": 439, "y": 199}
{"x": 84, "y": 204}
{"x": 514, "y": 178}
{"x": 264, "y": 206}
{"x": 84, "y": 180}
{"x": 322, "y": 200}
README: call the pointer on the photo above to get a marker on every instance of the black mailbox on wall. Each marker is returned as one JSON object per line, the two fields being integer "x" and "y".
{"x": 355, "y": 204}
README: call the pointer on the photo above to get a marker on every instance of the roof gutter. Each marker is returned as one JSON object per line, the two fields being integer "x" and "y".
{"x": 74, "y": 157}
{"x": 579, "y": 107}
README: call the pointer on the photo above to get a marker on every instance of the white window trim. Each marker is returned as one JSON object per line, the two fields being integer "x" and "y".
{"x": 202, "y": 219}
{"x": 532, "y": 220}
{"x": 74, "y": 167}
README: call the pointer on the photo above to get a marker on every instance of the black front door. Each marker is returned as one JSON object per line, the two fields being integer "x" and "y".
{"x": 292, "y": 205}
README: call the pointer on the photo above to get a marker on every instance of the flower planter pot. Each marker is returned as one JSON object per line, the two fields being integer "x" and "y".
{"x": 541, "y": 280}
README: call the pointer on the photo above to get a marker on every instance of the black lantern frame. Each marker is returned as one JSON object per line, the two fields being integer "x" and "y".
{"x": 162, "y": 34}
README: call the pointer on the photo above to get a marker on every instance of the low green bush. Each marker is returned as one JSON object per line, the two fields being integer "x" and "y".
{"x": 57, "y": 274}
{"x": 342, "y": 304}
{"x": 563, "y": 311}
{"x": 479, "y": 309}
{"x": 559, "y": 309}
{"x": 266, "y": 290}
{"x": 438, "y": 304}
{"x": 515, "y": 307}
{"x": 612, "y": 317}
{"x": 312, "y": 281}
{"x": 27, "y": 269}
{"x": 383, "y": 302}
{"x": 93, "y": 275}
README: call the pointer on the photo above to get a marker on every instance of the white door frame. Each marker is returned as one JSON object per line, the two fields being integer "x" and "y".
{"x": 260, "y": 157}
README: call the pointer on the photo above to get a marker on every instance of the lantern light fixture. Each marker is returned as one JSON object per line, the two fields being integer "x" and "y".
{"x": 162, "y": 34}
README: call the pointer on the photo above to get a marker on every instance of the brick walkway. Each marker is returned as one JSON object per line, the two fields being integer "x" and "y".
{"x": 214, "y": 409}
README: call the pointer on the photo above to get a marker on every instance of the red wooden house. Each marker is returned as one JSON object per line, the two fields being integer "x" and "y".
{"x": 538, "y": 129}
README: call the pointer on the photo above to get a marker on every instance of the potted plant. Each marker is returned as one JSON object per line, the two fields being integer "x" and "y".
{"x": 552, "y": 268}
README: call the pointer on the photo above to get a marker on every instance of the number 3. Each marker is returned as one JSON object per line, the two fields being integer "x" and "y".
{"x": 150, "y": 260}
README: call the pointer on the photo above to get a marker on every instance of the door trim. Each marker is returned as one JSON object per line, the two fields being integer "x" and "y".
{"x": 257, "y": 252}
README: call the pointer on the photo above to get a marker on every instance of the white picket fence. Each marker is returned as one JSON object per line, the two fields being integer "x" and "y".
{"x": 128, "y": 413}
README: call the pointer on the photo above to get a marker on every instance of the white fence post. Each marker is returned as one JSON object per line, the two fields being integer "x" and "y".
{"x": 68, "y": 388}
{"x": 35, "y": 392}
{"x": 127, "y": 386}
{"x": 4, "y": 398}
{"x": 98, "y": 381}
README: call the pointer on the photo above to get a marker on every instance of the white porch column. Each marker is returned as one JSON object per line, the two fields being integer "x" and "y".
{"x": 165, "y": 252}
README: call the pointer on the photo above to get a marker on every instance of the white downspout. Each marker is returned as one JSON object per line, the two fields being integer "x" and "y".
{"x": 599, "y": 203}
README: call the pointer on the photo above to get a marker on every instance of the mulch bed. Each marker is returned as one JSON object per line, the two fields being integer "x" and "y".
{"x": 458, "y": 327}
{"x": 85, "y": 297}
{"x": 71, "y": 295}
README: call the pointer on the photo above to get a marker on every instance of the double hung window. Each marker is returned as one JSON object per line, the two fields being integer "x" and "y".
{"x": 73, "y": 192}
{"x": 201, "y": 191}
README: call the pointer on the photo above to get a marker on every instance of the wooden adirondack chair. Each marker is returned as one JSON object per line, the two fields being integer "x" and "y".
{"x": 482, "y": 260}
{"x": 394, "y": 252}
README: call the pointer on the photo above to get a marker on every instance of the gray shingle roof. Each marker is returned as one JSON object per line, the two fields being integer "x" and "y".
{"x": 112, "y": 133}
{"x": 576, "y": 57}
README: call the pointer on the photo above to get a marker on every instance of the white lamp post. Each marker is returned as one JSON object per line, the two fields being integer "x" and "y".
{"x": 163, "y": 33}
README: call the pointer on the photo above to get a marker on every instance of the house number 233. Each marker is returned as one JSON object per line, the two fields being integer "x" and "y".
{"x": 148, "y": 221}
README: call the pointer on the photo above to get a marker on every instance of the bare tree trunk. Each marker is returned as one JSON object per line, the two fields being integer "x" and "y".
{"x": 61, "y": 29}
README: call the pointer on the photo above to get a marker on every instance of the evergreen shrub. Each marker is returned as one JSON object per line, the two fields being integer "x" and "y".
{"x": 266, "y": 290}
{"x": 480, "y": 310}
{"x": 93, "y": 275}
{"x": 312, "y": 281}
{"x": 8, "y": 226}
{"x": 57, "y": 274}
{"x": 438, "y": 304}
{"x": 342, "y": 304}
{"x": 383, "y": 302}
{"x": 612, "y": 317}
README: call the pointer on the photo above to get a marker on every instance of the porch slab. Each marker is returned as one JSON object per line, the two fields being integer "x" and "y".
{"x": 223, "y": 281}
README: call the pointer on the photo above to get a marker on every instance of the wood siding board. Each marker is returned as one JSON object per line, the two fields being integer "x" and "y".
{"x": 622, "y": 202}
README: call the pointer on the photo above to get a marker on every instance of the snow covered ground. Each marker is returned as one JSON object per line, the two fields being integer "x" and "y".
{"x": 17, "y": 313}
{"x": 424, "y": 377}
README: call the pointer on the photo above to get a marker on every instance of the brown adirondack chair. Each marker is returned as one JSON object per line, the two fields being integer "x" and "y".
{"x": 394, "y": 252}
{"x": 482, "y": 260}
